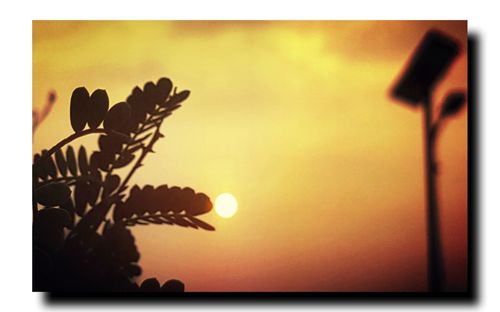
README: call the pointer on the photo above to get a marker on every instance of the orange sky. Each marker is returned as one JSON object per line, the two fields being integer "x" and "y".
{"x": 295, "y": 120}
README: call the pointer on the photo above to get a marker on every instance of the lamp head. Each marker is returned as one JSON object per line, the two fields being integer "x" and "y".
{"x": 430, "y": 61}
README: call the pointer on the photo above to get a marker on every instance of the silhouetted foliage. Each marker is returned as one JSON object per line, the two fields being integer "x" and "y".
{"x": 99, "y": 100}
{"x": 39, "y": 116}
{"x": 81, "y": 208}
{"x": 163, "y": 205}
{"x": 79, "y": 108}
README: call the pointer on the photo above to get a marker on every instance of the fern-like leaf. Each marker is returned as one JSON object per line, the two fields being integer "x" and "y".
{"x": 163, "y": 205}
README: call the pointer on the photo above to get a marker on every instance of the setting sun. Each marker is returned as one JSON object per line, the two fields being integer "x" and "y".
{"x": 226, "y": 205}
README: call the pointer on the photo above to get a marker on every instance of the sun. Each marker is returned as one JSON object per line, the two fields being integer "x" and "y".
{"x": 226, "y": 205}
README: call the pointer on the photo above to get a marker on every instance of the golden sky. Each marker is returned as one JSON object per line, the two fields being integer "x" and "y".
{"x": 294, "y": 119}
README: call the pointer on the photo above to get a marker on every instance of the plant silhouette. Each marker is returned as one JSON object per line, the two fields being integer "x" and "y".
{"x": 82, "y": 208}
{"x": 39, "y": 115}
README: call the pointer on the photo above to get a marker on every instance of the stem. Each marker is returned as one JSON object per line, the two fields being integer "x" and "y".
{"x": 141, "y": 129}
{"x": 72, "y": 137}
{"x": 137, "y": 164}
{"x": 146, "y": 218}
{"x": 69, "y": 180}
{"x": 102, "y": 208}
{"x": 55, "y": 148}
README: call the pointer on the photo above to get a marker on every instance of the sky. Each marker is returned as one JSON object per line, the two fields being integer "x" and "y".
{"x": 294, "y": 118}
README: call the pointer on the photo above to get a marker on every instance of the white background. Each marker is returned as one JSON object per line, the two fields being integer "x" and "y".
{"x": 15, "y": 120}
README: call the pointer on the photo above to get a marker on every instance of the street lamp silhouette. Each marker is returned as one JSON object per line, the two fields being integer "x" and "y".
{"x": 430, "y": 61}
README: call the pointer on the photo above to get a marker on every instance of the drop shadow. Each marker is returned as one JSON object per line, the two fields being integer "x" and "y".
{"x": 470, "y": 297}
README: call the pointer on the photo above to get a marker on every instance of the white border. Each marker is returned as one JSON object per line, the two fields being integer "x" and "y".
{"x": 15, "y": 75}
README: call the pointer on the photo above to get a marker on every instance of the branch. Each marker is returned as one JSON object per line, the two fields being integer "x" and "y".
{"x": 69, "y": 180}
{"x": 137, "y": 164}
{"x": 72, "y": 137}
{"x": 102, "y": 208}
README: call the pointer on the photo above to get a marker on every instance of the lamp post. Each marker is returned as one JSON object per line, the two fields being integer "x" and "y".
{"x": 430, "y": 61}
